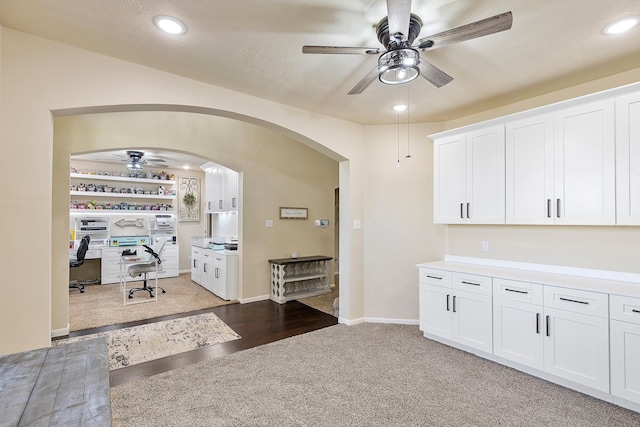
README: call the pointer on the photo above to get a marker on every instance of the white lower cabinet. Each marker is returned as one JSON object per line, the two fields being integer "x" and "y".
{"x": 517, "y": 322}
{"x": 587, "y": 340}
{"x": 463, "y": 316}
{"x": 625, "y": 347}
{"x": 215, "y": 271}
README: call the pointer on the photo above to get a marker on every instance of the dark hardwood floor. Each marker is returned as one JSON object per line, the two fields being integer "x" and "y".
{"x": 257, "y": 323}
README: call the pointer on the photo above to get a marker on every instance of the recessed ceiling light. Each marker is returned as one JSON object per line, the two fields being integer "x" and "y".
{"x": 621, "y": 25}
{"x": 186, "y": 167}
{"x": 170, "y": 25}
{"x": 400, "y": 107}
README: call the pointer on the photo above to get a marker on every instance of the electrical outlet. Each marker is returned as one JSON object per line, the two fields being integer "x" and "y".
{"x": 317, "y": 223}
{"x": 357, "y": 224}
{"x": 485, "y": 245}
{"x": 269, "y": 223}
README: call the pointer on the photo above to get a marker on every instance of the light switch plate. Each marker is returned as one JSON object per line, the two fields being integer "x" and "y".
{"x": 269, "y": 223}
{"x": 357, "y": 224}
{"x": 317, "y": 223}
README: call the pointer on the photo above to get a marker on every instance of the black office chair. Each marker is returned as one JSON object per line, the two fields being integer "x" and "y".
{"x": 80, "y": 254}
{"x": 146, "y": 268}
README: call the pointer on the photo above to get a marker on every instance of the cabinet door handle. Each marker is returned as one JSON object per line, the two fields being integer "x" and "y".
{"x": 434, "y": 277}
{"x": 468, "y": 209}
{"x": 548, "y": 208}
{"x": 205, "y": 268}
{"x": 233, "y": 202}
{"x": 209, "y": 206}
{"x": 454, "y": 303}
{"x": 447, "y": 302}
{"x": 572, "y": 300}
{"x": 558, "y": 208}
{"x": 537, "y": 323}
{"x": 220, "y": 204}
{"x": 194, "y": 263}
{"x": 461, "y": 210}
{"x": 470, "y": 283}
{"x": 548, "y": 326}
{"x": 516, "y": 291}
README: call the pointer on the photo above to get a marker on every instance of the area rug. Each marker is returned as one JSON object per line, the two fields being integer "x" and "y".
{"x": 137, "y": 344}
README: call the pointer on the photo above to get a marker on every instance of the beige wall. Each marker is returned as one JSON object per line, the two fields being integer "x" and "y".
{"x": 40, "y": 79}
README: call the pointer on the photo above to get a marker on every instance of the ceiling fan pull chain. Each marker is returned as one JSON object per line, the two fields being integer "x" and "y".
{"x": 408, "y": 156}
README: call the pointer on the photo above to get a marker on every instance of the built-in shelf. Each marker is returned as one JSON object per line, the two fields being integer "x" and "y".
{"x": 122, "y": 179}
{"x": 120, "y": 195}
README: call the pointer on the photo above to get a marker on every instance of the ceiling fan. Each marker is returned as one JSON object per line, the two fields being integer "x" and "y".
{"x": 401, "y": 61}
{"x": 136, "y": 162}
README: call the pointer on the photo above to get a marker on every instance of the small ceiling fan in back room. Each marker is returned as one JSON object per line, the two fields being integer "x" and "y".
{"x": 401, "y": 61}
{"x": 136, "y": 162}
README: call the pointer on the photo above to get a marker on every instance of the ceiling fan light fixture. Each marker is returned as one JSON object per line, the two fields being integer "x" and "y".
{"x": 398, "y": 66}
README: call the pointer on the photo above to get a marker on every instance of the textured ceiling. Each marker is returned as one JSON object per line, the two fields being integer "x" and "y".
{"x": 254, "y": 47}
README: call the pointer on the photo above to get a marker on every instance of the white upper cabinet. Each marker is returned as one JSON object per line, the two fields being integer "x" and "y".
{"x": 584, "y": 164}
{"x": 221, "y": 188}
{"x": 628, "y": 159}
{"x": 529, "y": 170}
{"x": 560, "y": 167}
{"x": 469, "y": 177}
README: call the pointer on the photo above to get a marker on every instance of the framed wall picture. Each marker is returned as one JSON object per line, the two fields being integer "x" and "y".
{"x": 294, "y": 213}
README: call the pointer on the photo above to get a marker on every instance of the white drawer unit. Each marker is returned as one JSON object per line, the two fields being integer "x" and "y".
{"x": 435, "y": 277}
{"x": 472, "y": 283}
{"x": 625, "y": 347}
{"x": 514, "y": 290}
{"x": 577, "y": 301}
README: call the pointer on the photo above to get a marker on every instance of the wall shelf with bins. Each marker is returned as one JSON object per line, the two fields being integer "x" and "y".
{"x": 121, "y": 179}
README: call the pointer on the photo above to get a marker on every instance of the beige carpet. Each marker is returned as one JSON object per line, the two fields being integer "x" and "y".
{"x": 364, "y": 375}
{"x": 138, "y": 344}
{"x": 102, "y": 305}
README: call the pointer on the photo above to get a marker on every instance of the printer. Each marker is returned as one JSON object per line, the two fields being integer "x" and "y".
{"x": 92, "y": 224}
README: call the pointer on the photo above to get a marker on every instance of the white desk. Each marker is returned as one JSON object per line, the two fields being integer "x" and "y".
{"x": 127, "y": 261}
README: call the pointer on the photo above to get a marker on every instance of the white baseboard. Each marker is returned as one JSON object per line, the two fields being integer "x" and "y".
{"x": 60, "y": 332}
{"x": 348, "y": 322}
{"x": 621, "y": 276}
{"x": 253, "y": 299}
{"x": 392, "y": 321}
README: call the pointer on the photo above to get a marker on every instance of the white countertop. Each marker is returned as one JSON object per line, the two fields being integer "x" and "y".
{"x": 615, "y": 287}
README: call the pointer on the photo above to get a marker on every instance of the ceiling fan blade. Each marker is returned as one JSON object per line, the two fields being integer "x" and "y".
{"x": 484, "y": 27}
{"x": 341, "y": 50}
{"x": 399, "y": 12}
{"x": 365, "y": 82}
{"x": 153, "y": 159}
{"x": 434, "y": 74}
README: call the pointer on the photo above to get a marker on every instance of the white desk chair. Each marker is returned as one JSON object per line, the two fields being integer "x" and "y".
{"x": 146, "y": 268}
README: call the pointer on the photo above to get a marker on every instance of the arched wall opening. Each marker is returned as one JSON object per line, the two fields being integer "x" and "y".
{"x": 278, "y": 166}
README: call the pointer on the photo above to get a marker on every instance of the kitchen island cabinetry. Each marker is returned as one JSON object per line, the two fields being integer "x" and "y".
{"x": 293, "y": 278}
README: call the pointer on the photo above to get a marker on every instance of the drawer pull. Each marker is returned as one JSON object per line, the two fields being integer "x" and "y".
{"x": 516, "y": 291}
{"x": 434, "y": 277}
{"x": 635, "y": 311}
{"x": 470, "y": 283}
{"x": 572, "y": 300}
